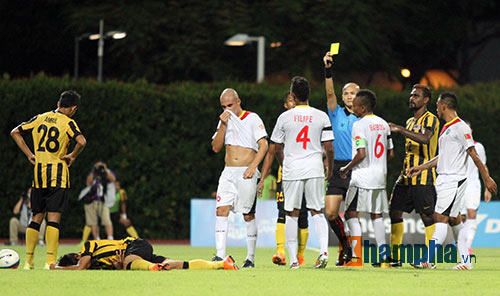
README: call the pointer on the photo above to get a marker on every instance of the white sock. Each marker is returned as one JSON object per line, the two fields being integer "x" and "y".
{"x": 221, "y": 235}
{"x": 355, "y": 230}
{"x": 251, "y": 239}
{"x": 438, "y": 237}
{"x": 291, "y": 232}
{"x": 378, "y": 225}
{"x": 456, "y": 231}
{"x": 110, "y": 237}
{"x": 462, "y": 243}
{"x": 471, "y": 226}
{"x": 322, "y": 232}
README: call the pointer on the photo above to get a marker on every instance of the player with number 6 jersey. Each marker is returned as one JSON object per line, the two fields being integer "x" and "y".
{"x": 302, "y": 131}
{"x": 52, "y": 133}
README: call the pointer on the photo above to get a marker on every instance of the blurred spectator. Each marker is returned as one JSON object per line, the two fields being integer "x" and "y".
{"x": 98, "y": 196}
{"x": 18, "y": 225}
{"x": 269, "y": 190}
{"x": 119, "y": 211}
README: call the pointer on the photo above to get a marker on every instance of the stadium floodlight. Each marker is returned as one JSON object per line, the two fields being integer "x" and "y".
{"x": 242, "y": 39}
{"x": 101, "y": 36}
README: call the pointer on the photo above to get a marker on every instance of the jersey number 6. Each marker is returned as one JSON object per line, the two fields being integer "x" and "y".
{"x": 379, "y": 146}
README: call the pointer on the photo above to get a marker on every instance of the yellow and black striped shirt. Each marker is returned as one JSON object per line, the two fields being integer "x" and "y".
{"x": 52, "y": 133}
{"x": 103, "y": 251}
{"x": 416, "y": 153}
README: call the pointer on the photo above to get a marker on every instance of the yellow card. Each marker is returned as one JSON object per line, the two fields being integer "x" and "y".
{"x": 334, "y": 48}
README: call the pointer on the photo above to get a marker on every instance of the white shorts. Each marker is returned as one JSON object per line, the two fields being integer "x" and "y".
{"x": 472, "y": 197}
{"x": 313, "y": 189}
{"x": 366, "y": 200}
{"x": 235, "y": 191}
{"x": 450, "y": 196}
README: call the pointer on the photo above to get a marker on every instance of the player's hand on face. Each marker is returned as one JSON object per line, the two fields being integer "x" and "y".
{"x": 491, "y": 185}
{"x": 249, "y": 172}
{"x": 224, "y": 117}
{"x": 328, "y": 59}
{"x": 395, "y": 128}
{"x": 31, "y": 159}
{"x": 68, "y": 158}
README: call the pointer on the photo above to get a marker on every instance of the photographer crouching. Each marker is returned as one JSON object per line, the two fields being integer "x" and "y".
{"x": 97, "y": 197}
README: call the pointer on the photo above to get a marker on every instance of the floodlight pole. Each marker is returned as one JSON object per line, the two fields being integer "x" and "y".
{"x": 100, "y": 50}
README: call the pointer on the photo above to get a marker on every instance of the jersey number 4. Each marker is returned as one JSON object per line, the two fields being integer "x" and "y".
{"x": 302, "y": 136}
{"x": 51, "y": 134}
{"x": 379, "y": 146}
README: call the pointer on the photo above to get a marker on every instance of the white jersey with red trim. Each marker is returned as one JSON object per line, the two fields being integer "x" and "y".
{"x": 372, "y": 133}
{"x": 302, "y": 130}
{"x": 454, "y": 140}
{"x": 244, "y": 131}
{"x": 472, "y": 171}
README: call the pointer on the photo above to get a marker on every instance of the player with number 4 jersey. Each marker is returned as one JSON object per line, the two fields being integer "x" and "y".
{"x": 372, "y": 145}
{"x": 52, "y": 133}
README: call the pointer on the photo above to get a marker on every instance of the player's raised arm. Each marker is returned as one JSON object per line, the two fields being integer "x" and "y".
{"x": 18, "y": 138}
{"x": 489, "y": 183}
{"x": 417, "y": 137}
{"x": 330, "y": 91}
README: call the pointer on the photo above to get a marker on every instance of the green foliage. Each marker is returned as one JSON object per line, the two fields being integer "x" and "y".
{"x": 157, "y": 139}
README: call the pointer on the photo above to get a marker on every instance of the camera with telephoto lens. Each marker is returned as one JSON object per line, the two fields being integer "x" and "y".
{"x": 100, "y": 174}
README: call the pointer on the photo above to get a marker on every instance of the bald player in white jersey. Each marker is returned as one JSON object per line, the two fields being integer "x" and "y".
{"x": 245, "y": 138}
{"x": 472, "y": 196}
{"x": 371, "y": 147}
{"x": 455, "y": 146}
{"x": 302, "y": 131}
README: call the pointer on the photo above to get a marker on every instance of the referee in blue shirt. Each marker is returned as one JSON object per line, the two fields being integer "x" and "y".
{"x": 342, "y": 119}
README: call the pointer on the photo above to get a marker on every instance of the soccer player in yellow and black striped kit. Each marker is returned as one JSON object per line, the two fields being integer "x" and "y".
{"x": 421, "y": 132}
{"x": 131, "y": 254}
{"x": 52, "y": 133}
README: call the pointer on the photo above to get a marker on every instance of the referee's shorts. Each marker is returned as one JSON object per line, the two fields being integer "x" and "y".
{"x": 337, "y": 185}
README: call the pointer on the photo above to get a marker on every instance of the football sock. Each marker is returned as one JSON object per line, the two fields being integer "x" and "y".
{"x": 110, "y": 237}
{"x": 321, "y": 231}
{"x": 291, "y": 228}
{"x": 280, "y": 237}
{"x": 86, "y": 233}
{"x": 378, "y": 225}
{"x": 397, "y": 231}
{"x": 355, "y": 229}
{"x": 202, "y": 264}
{"x": 462, "y": 242}
{"x": 439, "y": 235}
{"x": 221, "y": 235}
{"x": 303, "y": 235}
{"x": 140, "y": 264}
{"x": 132, "y": 232}
{"x": 337, "y": 226}
{"x": 471, "y": 226}
{"x": 251, "y": 239}
{"x": 31, "y": 239}
{"x": 429, "y": 231}
{"x": 52, "y": 239}
{"x": 456, "y": 231}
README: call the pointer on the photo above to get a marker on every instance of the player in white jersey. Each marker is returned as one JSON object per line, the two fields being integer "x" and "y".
{"x": 472, "y": 197}
{"x": 302, "y": 131}
{"x": 371, "y": 147}
{"x": 455, "y": 146}
{"x": 245, "y": 138}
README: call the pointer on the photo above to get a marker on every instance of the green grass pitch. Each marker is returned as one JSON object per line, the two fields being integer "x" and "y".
{"x": 265, "y": 279}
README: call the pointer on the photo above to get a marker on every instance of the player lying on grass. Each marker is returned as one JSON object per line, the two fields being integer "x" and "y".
{"x": 130, "y": 254}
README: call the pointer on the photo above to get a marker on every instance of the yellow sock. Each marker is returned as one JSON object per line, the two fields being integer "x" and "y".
{"x": 86, "y": 233}
{"x": 132, "y": 232}
{"x": 303, "y": 235}
{"x": 429, "y": 231}
{"x": 203, "y": 264}
{"x": 31, "y": 239}
{"x": 397, "y": 230}
{"x": 280, "y": 237}
{"x": 140, "y": 264}
{"x": 52, "y": 239}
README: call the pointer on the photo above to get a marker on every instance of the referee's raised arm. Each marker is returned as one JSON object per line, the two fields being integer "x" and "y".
{"x": 330, "y": 92}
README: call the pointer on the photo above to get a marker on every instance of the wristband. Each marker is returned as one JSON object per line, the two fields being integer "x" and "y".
{"x": 124, "y": 216}
{"x": 328, "y": 72}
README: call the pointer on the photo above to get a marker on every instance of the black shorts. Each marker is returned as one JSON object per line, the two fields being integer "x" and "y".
{"x": 48, "y": 200}
{"x": 115, "y": 218}
{"x": 353, "y": 206}
{"x": 144, "y": 250}
{"x": 337, "y": 185}
{"x": 406, "y": 198}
